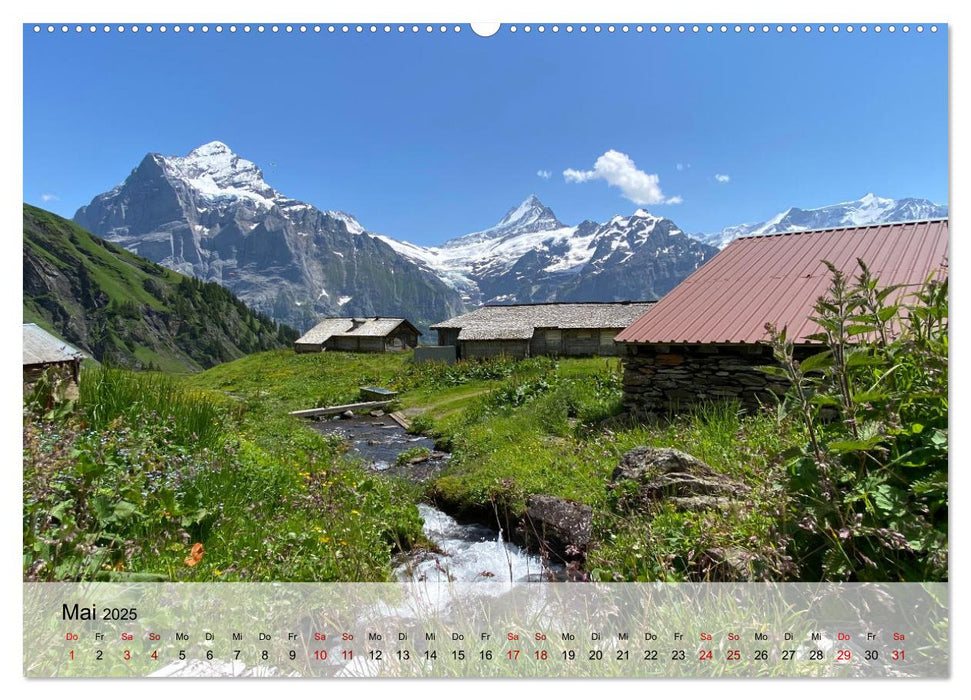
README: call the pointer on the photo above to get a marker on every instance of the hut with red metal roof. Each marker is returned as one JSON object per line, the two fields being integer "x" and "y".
{"x": 704, "y": 340}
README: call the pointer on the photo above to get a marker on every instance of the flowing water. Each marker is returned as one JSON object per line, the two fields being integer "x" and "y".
{"x": 466, "y": 551}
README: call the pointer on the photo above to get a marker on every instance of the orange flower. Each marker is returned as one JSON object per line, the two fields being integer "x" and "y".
{"x": 195, "y": 556}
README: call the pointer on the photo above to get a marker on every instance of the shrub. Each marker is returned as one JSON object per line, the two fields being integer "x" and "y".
{"x": 868, "y": 490}
{"x": 441, "y": 375}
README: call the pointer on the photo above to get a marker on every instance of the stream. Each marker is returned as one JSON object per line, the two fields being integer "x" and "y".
{"x": 467, "y": 552}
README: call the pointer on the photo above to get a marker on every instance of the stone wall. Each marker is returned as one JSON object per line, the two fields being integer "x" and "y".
{"x": 659, "y": 379}
{"x": 64, "y": 374}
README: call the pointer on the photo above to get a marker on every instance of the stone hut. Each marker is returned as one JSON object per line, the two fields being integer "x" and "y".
{"x": 44, "y": 351}
{"x": 359, "y": 335}
{"x": 524, "y": 330}
{"x": 704, "y": 340}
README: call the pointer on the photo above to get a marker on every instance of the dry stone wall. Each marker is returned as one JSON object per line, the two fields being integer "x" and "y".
{"x": 663, "y": 378}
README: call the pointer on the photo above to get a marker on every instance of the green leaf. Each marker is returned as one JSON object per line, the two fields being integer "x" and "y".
{"x": 863, "y": 359}
{"x": 887, "y": 291}
{"x": 62, "y": 508}
{"x": 824, "y": 400}
{"x": 845, "y": 446}
{"x": 869, "y": 396}
{"x": 124, "y": 509}
{"x": 860, "y": 329}
{"x": 887, "y": 312}
{"x": 885, "y": 496}
{"x": 817, "y": 363}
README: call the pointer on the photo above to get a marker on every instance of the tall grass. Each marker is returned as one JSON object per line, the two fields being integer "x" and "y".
{"x": 193, "y": 416}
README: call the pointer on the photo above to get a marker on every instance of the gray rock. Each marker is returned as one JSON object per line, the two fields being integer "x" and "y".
{"x": 347, "y": 414}
{"x": 282, "y": 257}
{"x": 559, "y": 527}
{"x": 648, "y": 477}
{"x": 731, "y": 564}
{"x": 376, "y": 414}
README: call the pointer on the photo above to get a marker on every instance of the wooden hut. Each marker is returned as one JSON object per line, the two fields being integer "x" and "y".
{"x": 359, "y": 335}
{"x": 524, "y": 330}
{"x": 44, "y": 351}
{"x": 705, "y": 340}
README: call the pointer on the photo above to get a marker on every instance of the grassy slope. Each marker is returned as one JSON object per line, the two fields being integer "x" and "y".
{"x": 121, "y": 307}
{"x": 282, "y": 380}
{"x": 557, "y": 440}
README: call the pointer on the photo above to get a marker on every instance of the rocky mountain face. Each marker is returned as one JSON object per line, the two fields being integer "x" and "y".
{"x": 867, "y": 210}
{"x": 210, "y": 214}
{"x": 530, "y": 256}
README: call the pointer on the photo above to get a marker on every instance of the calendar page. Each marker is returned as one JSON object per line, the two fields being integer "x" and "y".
{"x": 426, "y": 349}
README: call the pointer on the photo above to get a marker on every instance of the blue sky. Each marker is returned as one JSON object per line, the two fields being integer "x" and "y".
{"x": 425, "y": 137}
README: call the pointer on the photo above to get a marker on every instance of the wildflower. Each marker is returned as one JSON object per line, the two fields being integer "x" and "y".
{"x": 195, "y": 555}
{"x": 325, "y": 539}
{"x": 354, "y": 512}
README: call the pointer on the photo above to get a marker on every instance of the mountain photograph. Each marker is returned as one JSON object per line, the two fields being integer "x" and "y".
{"x": 211, "y": 215}
{"x": 468, "y": 316}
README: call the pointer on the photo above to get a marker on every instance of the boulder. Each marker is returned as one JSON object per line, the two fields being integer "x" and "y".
{"x": 648, "y": 477}
{"x": 562, "y": 529}
{"x": 347, "y": 414}
{"x": 731, "y": 564}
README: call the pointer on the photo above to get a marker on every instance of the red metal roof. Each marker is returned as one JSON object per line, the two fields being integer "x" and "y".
{"x": 778, "y": 278}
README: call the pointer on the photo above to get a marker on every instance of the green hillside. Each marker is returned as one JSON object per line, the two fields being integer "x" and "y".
{"x": 129, "y": 311}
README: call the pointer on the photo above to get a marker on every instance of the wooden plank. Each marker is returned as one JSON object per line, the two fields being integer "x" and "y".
{"x": 399, "y": 418}
{"x": 331, "y": 410}
{"x": 377, "y": 393}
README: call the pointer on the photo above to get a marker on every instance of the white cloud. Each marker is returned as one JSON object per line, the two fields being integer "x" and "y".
{"x": 619, "y": 170}
{"x": 545, "y": 174}
{"x": 722, "y": 178}
{"x": 680, "y": 166}
{"x": 48, "y": 197}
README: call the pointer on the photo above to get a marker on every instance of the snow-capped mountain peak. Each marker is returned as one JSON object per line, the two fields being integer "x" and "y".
{"x": 531, "y": 256}
{"x": 216, "y": 172}
{"x": 530, "y": 216}
{"x": 351, "y": 223}
{"x": 867, "y": 210}
{"x": 210, "y": 214}
{"x": 528, "y": 212}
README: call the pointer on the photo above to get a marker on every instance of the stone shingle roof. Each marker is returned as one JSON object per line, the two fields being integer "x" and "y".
{"x": 519, "y": 321}
{"x": 341, "y": 327}
{"x": 41, "y": 348}
{"x": 319, "y": 334}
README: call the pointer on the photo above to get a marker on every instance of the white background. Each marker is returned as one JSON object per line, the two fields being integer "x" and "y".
{"x": 374, "y": 11}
